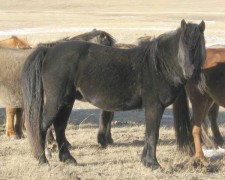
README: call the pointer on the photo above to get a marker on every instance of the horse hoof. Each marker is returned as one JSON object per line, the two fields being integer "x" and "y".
{"x": 20, "y": 136}
{"x": 43, "y": 160}
{"x": 71, "y": 161}
{"x": 200, "y": 163}
{"x": 67, "y": 159}
{"x": 110, "y": 140}
{"x": 152, "y": 165}
{"x": 102, "y": 141}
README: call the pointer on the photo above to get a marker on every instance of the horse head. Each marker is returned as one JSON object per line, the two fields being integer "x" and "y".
{"x": 20, "y": 43}
{"x": 192, "y": 52}
{"x": 102, "y": 37}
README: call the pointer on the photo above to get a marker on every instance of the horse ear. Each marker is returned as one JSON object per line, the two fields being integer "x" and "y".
{"x": 183, "y": 24}
{"x": 202, "y": 26}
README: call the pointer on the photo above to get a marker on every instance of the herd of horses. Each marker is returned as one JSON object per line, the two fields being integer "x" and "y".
{"x": 46, "y": 80}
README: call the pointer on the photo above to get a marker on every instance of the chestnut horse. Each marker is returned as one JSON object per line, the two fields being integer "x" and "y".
{"x": 214, "y": 72}
{"x": 14, "y": 126}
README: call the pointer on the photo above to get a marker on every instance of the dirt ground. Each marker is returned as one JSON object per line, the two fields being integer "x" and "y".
{"x": 41, "y": 21}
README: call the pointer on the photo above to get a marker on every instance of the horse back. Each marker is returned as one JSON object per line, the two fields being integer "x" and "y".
{"x": 107, "y": 77}
{"x": 214, "y": 56}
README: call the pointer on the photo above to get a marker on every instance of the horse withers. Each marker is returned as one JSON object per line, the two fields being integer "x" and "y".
{"x": 150, "y": 76}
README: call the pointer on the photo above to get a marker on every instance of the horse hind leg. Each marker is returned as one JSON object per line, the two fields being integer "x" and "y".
{"x": 10, "y": 113}
{"x": 104, "y": 133}
{"x": 50, "y": 114}
{"x": 213, "y": 115}
{"x": 60, "y": 124}
{"x": 19, "y": 122}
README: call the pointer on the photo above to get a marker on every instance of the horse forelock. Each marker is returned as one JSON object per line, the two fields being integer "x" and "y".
{"x": 192, "y": 49}
{"x": 199, "y": 60}
{"x": 195, "y": 42}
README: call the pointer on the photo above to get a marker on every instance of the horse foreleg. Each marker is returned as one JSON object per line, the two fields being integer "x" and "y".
{"x": 197, "y": 140}
{"x": 213, "y": 115}
{"x": 153, "y": 115}
{"x": 10, "y": 113}
{"x": 200, "y": 110}
{"x": 104, "y": 132}
{"x": 19, "y": 122}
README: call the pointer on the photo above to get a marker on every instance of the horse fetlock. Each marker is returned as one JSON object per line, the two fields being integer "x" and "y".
{"x": 10, "y": 133}
{"x": 109, "y": 139}
{"x": 69, "y": 146}
{"x": 19, "y": 133}
{"x": 148, "y": 161}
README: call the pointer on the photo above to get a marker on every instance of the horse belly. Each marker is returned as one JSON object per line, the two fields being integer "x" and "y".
{"x": 112, "y": 101}
{"x": 10, "y": 97}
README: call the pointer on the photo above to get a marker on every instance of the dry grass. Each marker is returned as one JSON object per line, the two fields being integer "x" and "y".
{"x": 126, "y": 20}
{"x": 119, "y": 161}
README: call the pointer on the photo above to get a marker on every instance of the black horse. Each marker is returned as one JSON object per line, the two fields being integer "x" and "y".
{"x": 148, "y": 76}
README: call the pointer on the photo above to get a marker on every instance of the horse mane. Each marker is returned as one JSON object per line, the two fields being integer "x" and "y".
{"x": 82, "y": 37}
{"x": 88, "y": 35}
{"x": 159, "y": 56}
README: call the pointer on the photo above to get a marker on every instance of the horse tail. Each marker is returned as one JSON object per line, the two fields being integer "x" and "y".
{"x": 182, "y": 123}
{"x": 33, "y": 91}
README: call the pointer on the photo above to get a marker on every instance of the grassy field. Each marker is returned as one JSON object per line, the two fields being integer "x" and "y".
{"x": 41, "y": 21}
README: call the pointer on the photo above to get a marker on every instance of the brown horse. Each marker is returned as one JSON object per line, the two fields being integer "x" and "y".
{"x": 215, "y": 54}
{"x": 214, "y": 71}
{"x": 14, "y": 126}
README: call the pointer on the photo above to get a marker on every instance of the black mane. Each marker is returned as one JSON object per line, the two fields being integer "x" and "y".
{"x": 102, "y": 35}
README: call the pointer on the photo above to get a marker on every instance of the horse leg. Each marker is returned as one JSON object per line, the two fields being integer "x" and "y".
{"x": 205, "y": 136}
{"x": 50, "y": 114}
{"x": 200, "y": 109}
{"x": 104, "y": 132}
{"x": 153, "y": 115}
{"x": 19, "y": 122}
{"x": 213, "y": 115}
{"x": 50, "y": 137}
{"x": 60, "y": 124}
{"x": 10, "y": 113}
